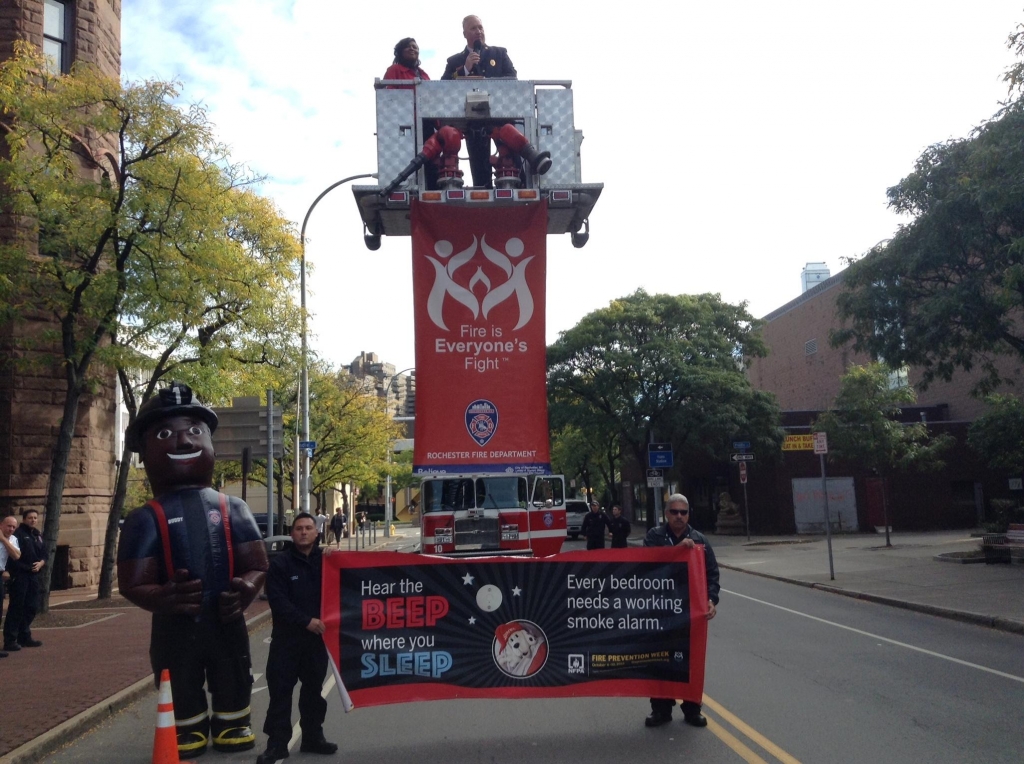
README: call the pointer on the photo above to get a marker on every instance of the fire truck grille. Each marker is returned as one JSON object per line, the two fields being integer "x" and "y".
{"x": 484, "y": 533}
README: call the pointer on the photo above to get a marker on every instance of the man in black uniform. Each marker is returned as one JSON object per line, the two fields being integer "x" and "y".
{"x": 24, "y": 584}
{"x": 297, "y": 650}
{"x": 595, "y": 523}
{"x": 619, "y": 527}
{"x": 478, "y": 60}
{"x": 676, "y": 531}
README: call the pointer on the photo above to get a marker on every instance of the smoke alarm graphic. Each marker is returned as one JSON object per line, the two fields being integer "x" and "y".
{"x": 481, "y": 421}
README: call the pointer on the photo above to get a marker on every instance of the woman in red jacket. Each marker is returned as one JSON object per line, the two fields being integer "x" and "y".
{"x": 407, "y": 62}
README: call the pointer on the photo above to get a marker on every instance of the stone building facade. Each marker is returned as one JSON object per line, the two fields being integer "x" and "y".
{"x": 32, "y": 386}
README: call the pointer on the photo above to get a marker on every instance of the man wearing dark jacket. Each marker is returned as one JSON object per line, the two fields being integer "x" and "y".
{"x": 478, "y": 59}
{"x": 24, "y": 584}
{"x": 595, "y": 523}
{"x": 619, "y": 528}
{"x": 297, "y": 650}
{"x": 676, "y": 531}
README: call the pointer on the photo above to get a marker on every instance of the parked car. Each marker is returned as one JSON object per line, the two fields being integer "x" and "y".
{"x": 575, "y": 510}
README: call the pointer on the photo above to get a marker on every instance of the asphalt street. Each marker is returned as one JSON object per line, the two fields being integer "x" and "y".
{"x": 794, "y": 675}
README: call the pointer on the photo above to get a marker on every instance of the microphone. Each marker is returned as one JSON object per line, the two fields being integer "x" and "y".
{"x": 477, "y": 46}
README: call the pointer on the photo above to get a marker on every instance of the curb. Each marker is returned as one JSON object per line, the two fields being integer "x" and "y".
{"x": 991, "y": 621}
{"x": 70, "y": 729}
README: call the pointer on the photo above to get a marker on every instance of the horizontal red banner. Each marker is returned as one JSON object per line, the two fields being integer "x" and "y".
{"x": 619, "y": 622}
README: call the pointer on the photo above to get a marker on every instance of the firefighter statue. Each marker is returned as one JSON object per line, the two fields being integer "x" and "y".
{"x": 195, "y": 559}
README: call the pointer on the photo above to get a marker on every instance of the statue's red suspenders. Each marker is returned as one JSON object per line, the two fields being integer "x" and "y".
{"x": 165, "y": 535}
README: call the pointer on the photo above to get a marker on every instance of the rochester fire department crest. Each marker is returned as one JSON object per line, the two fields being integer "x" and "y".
{"x": 481, "y": 421}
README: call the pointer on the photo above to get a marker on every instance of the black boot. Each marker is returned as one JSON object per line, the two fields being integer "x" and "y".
{"x": 540, "y": 161}
{"x": 318, "y": 744}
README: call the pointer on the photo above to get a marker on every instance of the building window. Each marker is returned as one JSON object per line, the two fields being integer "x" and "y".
{"x": 55, "y": 36}
{"x": 811, "y": 347}
{"x": 899, "y": 378}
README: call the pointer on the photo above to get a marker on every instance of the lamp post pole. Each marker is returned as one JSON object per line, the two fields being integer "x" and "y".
{"x": 388, "y": 516}
{"x": 304, "y": 480}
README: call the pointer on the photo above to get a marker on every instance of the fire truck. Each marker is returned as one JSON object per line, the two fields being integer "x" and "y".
{"x": 420, "y": 130}
{"x": 473, "y": 515}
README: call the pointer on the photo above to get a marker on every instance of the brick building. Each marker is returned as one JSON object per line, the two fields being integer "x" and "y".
{"x": 803, "y": 371}
{"x": 31, "y": 385}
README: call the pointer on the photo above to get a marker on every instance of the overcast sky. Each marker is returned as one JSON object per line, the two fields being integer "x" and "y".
{"x": 737, "y": 141}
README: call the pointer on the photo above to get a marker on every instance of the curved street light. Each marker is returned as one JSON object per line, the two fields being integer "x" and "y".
{"x": 304, "y": 480}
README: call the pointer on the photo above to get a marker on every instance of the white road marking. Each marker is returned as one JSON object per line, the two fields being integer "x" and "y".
{"x": 896, "y": 642}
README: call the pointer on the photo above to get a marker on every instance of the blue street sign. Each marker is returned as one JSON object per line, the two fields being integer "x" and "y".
{"x": 741, "y": 445}
{"x": 307, "y": 444}
{"x": 659, "y": 455}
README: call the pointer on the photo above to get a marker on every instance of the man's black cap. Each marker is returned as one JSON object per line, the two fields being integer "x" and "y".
{"x": 175, "y": 400}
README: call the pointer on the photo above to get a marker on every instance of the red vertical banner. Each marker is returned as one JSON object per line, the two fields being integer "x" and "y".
{"x": 478, "y": 297}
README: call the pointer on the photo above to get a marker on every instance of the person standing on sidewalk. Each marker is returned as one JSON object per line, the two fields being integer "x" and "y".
{"x": 9, "y": 550}
{"x": 338, "y": 527}
{"x": 619, "y": 527}
{"x": 321, "y": 524}
{"x": 595, "y": 523}
{"x": 24, "y": 584}
{"x": 297, "y": 650}
{"x": 676, "y": 531}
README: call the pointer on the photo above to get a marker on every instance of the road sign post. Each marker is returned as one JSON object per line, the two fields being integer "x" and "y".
{"x": 746, "y": 505}
{"x": 821, "y": 449}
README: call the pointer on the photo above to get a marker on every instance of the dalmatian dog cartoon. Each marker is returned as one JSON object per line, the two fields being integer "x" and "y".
{"x": 520, "y": 648}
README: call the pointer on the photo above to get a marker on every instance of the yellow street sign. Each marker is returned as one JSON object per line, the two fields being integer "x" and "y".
{"x": 798, "y": 442}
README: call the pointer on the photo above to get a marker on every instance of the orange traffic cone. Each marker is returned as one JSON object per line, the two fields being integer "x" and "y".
{"x": 165, "y": 739}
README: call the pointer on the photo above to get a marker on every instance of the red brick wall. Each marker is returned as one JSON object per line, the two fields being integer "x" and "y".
{"x": 810, "y": 382}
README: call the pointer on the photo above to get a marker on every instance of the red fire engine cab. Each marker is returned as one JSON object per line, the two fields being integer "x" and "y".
{"x": 486, "y": 514}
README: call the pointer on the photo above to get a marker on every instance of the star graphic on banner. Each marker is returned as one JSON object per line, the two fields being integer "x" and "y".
{"x": 516, "y": 592}
{"x": 472, "y": 620}
{"x": 467, "y": 579}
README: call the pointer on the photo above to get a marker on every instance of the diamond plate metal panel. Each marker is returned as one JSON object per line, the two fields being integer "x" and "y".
{"x": 446, "y": 99}
{"x": 396, "y": 136}
{"x": 557, "y": 135}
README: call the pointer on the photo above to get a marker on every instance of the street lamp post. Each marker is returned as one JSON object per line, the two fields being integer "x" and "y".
{"x": 304, "y": 393}
{"x": 388, "y": 516}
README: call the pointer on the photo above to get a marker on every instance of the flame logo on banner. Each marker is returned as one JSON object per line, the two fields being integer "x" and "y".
{"x": 481, "y": 421}
{"x": 445, "y": 284}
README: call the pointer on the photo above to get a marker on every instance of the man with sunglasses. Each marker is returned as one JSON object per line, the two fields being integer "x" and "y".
{"x": 195, "y": 559}
{"x": 676, "y": 531}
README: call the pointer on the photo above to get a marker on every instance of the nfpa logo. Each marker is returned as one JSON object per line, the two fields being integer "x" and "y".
{"x": 481, "y": 421}
{"x": 577, "y": 663}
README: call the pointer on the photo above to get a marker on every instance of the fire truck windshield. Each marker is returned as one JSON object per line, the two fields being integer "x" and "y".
{"x": 497, "y": 492}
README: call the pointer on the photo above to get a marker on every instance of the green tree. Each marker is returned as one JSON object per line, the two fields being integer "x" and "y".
{"x": 998, "y": 434}
{"x": 863, "y": 427}
{"x": 352, "y": 432}
{"x": 665, "y": 364}
{"x": 947, "y": 291}
{"x": 125, "y": 200}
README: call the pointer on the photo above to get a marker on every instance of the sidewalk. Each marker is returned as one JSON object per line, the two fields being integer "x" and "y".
{"x": 94, "y": 661}
{"x": 907, "y": 574}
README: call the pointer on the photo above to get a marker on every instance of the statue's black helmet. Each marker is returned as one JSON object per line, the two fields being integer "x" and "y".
{"x": 175, "y": 400}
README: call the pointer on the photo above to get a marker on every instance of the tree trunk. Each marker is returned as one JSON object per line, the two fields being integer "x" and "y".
{"x": 55, "y": 484}
{"x": 113, "y": 519}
